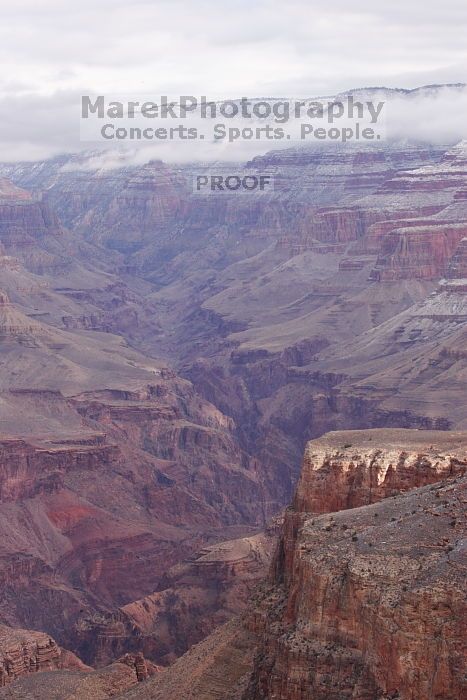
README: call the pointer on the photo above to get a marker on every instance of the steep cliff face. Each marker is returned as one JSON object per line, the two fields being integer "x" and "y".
{"x": 193, "y": 599}
{"x": 23, "y": 652}
{"x": 123, "y": 208}
{"x": 136, "y": 202}
{"x": 375, "y": 605}
{"x": 368, "y": 602}
{"x": 30, "y": 230}
{"x": 355, "y": 468}
{"x": 457, "y": 269}
{"x": 27, "y": 471}
{"x": 418, "y": 252}
{"x": 421, "y": 247}
{"x": 351, "y": 239}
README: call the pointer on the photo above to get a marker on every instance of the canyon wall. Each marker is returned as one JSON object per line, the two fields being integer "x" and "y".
{"x": 368, "y": 600}
{"x": 24, "y": 652}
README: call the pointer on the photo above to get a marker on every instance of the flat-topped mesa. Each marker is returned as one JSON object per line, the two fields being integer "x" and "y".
{"x": 367, "y": 603}
{"x": 354, "y": 468}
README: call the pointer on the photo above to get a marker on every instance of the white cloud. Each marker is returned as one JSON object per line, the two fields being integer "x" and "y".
{"x": 55, "y": 50}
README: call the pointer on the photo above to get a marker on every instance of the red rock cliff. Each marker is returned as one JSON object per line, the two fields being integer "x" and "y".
{"x": 23, "y": 652}
{"x": 368, "y": 602}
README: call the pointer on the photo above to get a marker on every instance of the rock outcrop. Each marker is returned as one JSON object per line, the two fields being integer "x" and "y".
{"x": 355, "y": 468}
{"x": 216, "y": 669}
{"x": 82, "y": 683}
{"x": 23, "y": 652}
{"x": 368, "y": 602}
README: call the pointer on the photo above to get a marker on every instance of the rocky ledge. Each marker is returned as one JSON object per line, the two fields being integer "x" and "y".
{"x": 368, "y": 585}
{"x": 358, "y": 467}
{"x": 23, "y": 652}
{"x": 374, "y": 606}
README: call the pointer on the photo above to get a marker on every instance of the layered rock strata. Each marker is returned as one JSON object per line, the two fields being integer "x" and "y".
{"x": 369, "y": 601}
{"x": 23, "y": 652}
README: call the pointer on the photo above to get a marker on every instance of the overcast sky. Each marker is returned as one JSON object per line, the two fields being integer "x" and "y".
{"x": 53, "y": 50}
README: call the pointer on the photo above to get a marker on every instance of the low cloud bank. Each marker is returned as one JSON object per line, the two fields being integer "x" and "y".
{"x": 39, "y": 127}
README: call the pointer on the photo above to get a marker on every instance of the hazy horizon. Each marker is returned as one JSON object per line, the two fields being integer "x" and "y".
{"x": 53, "y": 53}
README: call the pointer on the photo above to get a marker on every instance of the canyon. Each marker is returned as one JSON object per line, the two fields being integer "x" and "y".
{"x": 165, "y": 359}
{"x": 365, "y": 598}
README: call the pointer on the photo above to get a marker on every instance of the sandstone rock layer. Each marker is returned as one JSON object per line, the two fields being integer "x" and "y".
{"x": 368, "y": 600}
